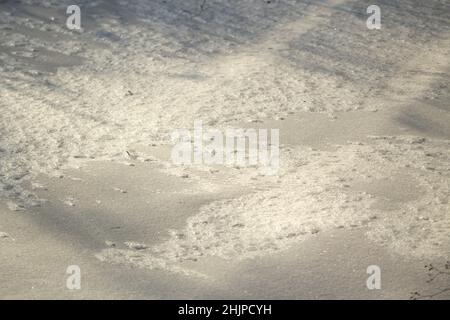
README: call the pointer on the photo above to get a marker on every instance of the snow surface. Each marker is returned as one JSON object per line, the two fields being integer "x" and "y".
{"x": 140, "y": 69}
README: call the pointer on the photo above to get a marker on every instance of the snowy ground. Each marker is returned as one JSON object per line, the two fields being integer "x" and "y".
{"x": 85, "y": 176}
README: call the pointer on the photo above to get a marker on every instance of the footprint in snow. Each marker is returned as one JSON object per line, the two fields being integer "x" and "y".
{"x": 135, "y": 245}
{"x": 4, "y": 235}
{"x": 120, "y": 190}
{"x": 14, "y": 206}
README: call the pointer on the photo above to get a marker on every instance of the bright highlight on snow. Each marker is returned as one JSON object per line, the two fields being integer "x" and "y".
{"x": 191, "y": 149}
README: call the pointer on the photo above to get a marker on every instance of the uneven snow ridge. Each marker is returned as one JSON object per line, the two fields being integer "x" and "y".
{"x": 314, "y": 195}
{"x": 142, "y": 68}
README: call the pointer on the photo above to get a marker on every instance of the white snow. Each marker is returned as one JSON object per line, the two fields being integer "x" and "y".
{"x": 135, "y": 74}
